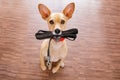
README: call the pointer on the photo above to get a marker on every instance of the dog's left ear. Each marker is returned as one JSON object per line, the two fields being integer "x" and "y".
{"x": 69, "y": 9}
{"x": 44, "y": 11}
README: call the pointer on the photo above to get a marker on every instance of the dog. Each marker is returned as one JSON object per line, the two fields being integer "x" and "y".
{"x": 56, "y": 23}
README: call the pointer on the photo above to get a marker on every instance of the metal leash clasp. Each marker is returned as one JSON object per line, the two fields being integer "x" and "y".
{"x": 48, "y": 63}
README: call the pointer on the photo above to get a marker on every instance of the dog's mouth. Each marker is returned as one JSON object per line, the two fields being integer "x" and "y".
{"x": 57, "y": 35}
{"x": 56, "y": 39}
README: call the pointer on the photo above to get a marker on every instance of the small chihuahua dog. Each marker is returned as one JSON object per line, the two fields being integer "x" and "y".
{"x": 56, "y": 23}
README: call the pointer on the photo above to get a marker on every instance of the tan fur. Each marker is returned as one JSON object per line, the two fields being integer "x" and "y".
{"x": 58, "y": 50}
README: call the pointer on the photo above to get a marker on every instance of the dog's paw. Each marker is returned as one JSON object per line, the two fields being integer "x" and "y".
{"x": 62, "y": 65}
{"x": 54, "y": 70}
{"x": 43, "y": 68}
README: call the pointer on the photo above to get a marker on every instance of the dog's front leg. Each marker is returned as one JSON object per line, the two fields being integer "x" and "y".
{"x": 42, "y": 62}
{"x": 56, "y": 68}
{"x": 62, "y": 64}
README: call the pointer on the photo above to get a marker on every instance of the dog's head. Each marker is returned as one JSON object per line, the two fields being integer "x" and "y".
{"x": 56, "y": 21}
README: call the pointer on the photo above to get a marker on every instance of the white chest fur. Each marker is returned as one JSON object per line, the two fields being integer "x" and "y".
{"x": 56, "y": 52}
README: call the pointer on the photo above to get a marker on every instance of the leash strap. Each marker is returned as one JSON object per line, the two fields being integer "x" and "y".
{"x": 48, "y": 63}
{"x": 41, "y": 34}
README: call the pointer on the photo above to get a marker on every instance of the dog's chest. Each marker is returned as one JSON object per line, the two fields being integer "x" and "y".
{"x": 57, "y": 52}
{"x": 57, "y": 46}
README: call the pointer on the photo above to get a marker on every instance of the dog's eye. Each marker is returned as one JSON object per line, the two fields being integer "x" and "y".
{"x": 51, "y": 22}
{"x": 62, "y": 22}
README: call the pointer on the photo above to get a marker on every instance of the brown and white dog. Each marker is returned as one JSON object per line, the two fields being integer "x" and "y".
{"x": 56, "y": 23}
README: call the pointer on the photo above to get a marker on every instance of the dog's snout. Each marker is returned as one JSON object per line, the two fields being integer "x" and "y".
{"x": 57, "y": 31}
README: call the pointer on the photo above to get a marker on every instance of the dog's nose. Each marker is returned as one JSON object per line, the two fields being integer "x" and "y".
{"x": 57, "y": 31}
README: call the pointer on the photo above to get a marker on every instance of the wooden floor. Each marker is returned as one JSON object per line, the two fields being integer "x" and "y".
{"x": 95, "y": 55}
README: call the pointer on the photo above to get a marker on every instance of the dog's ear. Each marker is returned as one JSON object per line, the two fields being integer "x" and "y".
{"x": 69, "y": 9}
{"x": 44, "y": 11}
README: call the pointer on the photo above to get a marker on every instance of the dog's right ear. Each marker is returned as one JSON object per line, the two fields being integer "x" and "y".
{"x": 69, "y": 9}
{"x": 44, "y": 11}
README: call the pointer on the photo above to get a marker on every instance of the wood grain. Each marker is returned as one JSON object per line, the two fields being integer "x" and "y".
{"x": 95, "y": 55}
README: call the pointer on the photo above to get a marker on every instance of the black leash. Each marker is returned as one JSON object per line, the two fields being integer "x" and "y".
{"x": 68, "y": 34}
{"x": 48, "y": 63}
